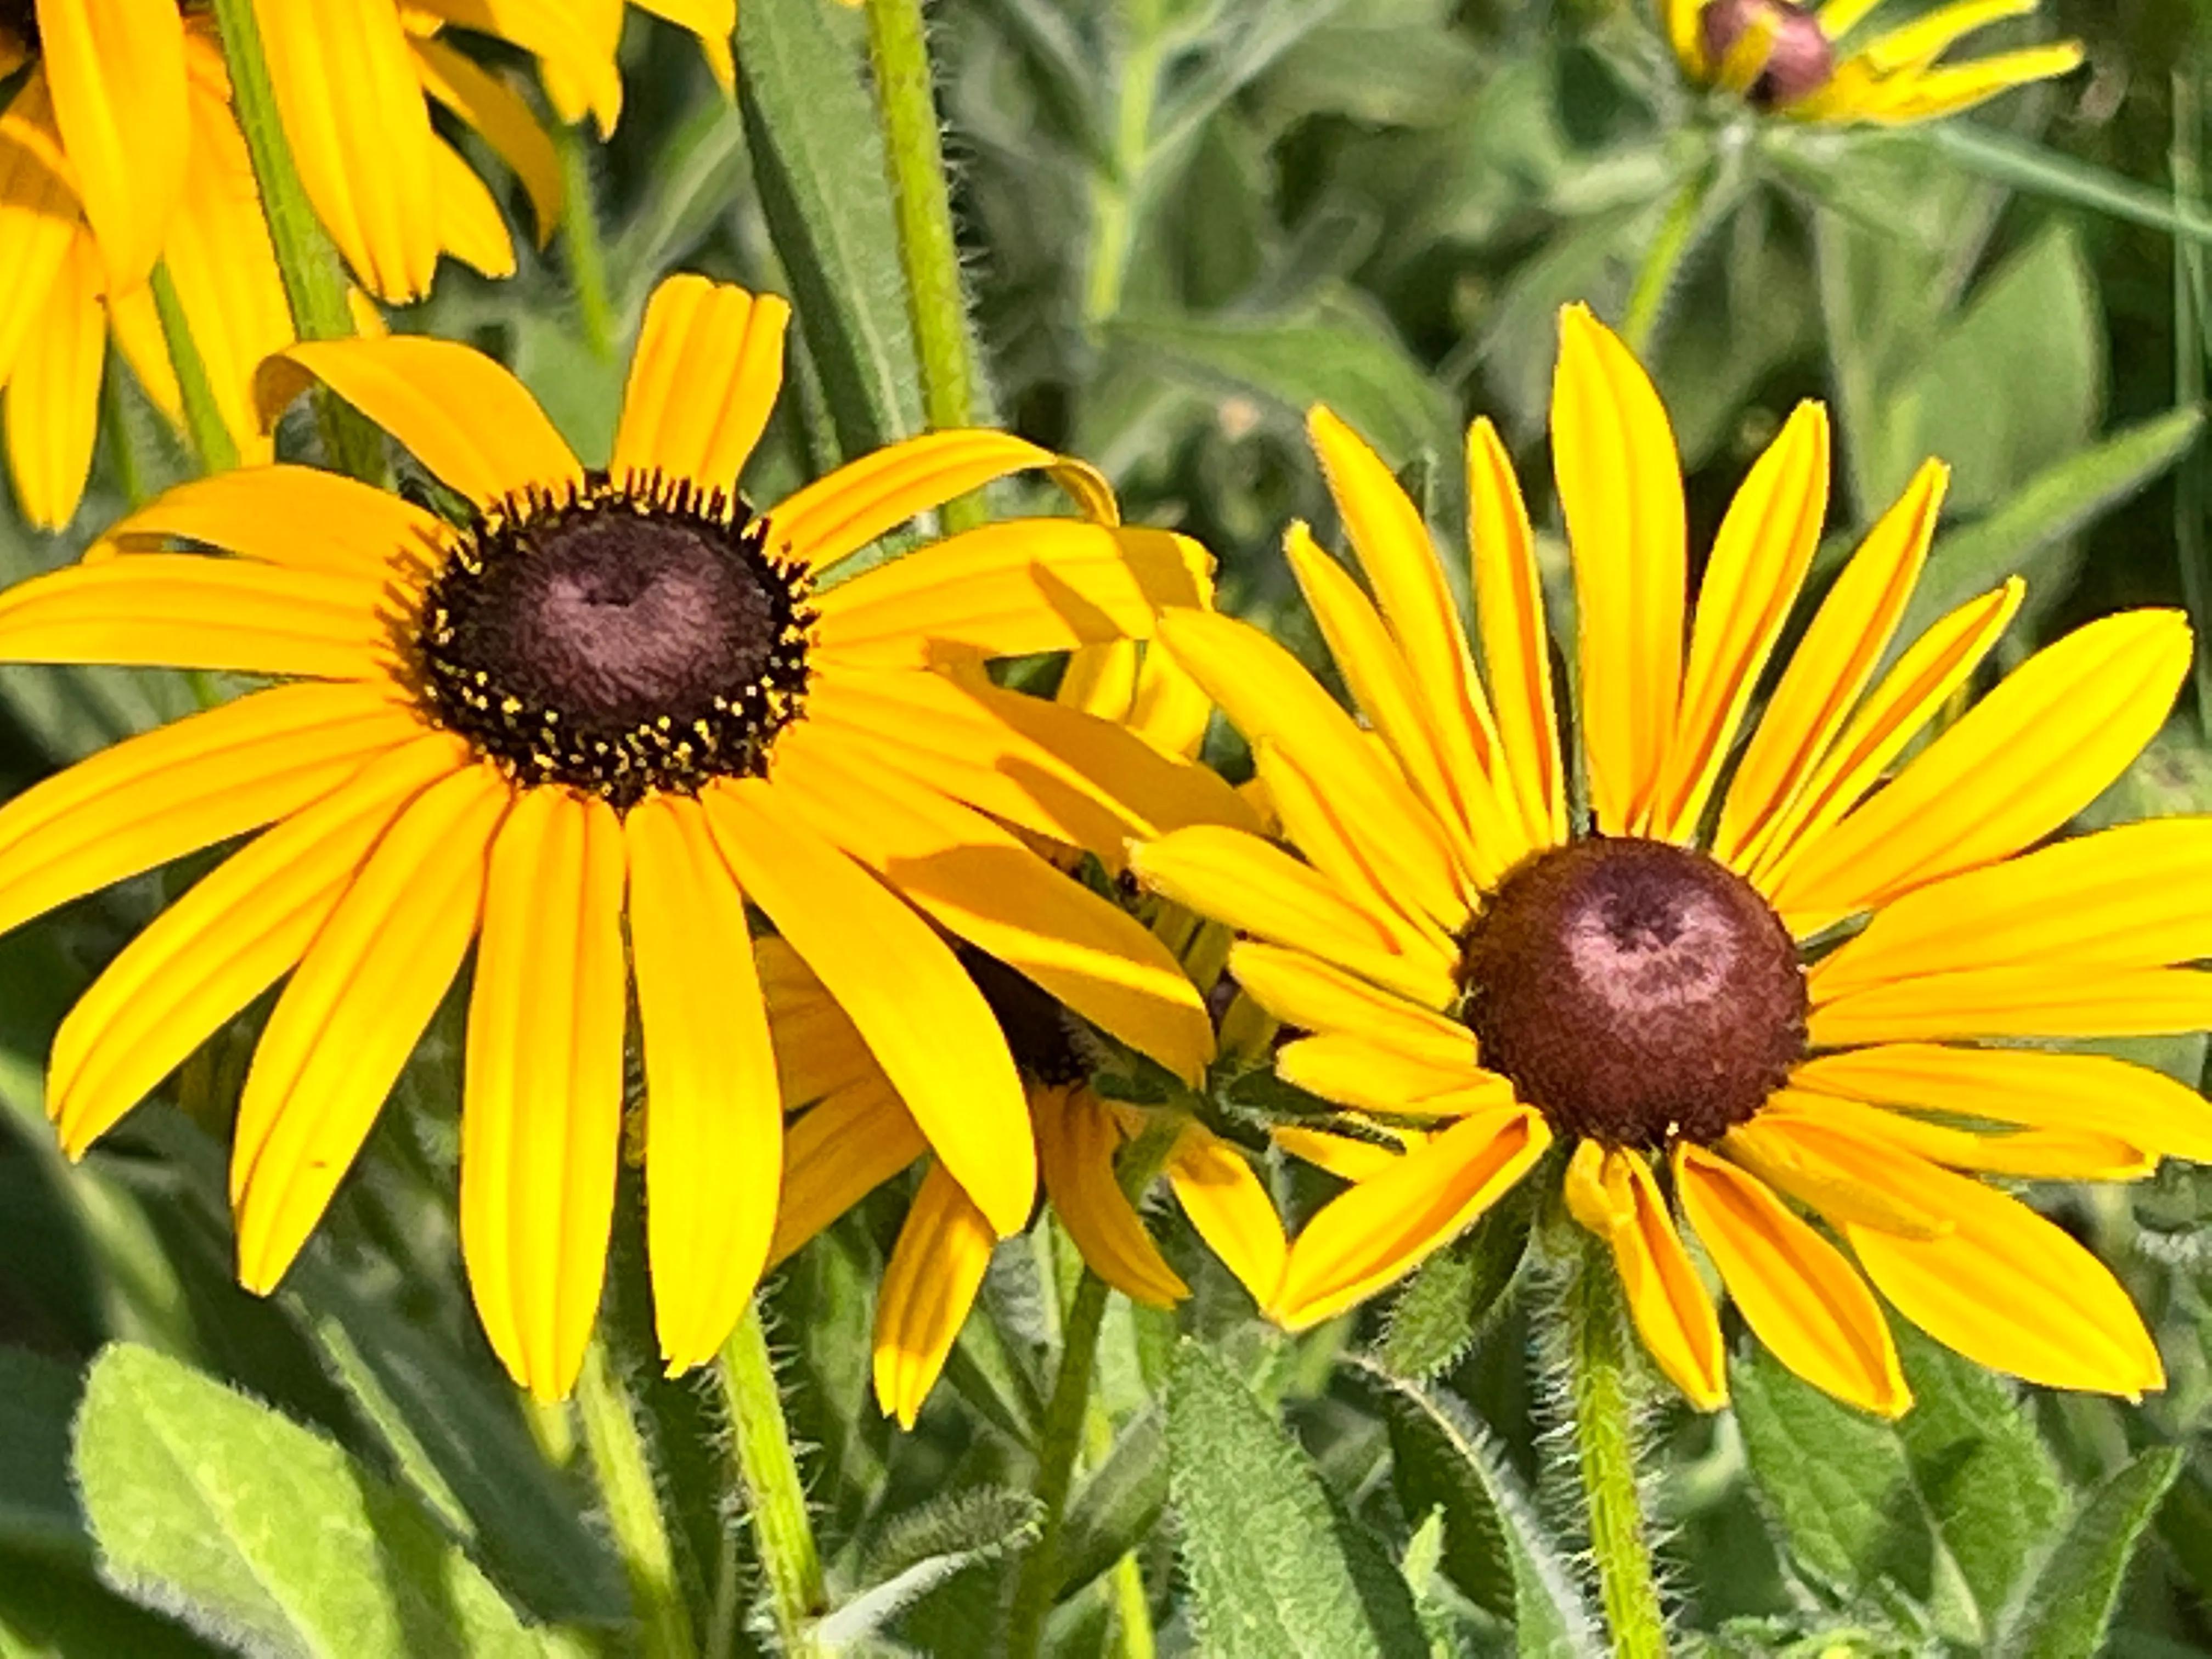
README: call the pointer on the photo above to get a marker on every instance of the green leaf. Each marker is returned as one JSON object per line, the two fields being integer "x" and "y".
{"x": 1271, "y": 1573}
{"x": 2050, "y": 507}
{"x": 2009, "y": 159}
{"x": 1118, "y": 1505}
{"x": 1496, "y": 1550}
{"x": 1437, "y": 1317}
{"x": 2070, "y": 1599}
{"x": 818, "y": 162}
{"x": 927, "y": 1548}
{"x": 39, "y": 1508}
{"x": 263, "y": 1533}
{"x": 58, "y": 1610}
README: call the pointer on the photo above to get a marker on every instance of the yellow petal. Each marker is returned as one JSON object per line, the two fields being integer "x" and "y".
{"x": 117, "y": 68}
{"x": 172, "y": 791}
{"x": 1374, "y": 1232}
{"x": 714, "y": 1117}
{"x": 817, "y": 1051}
{"x": 2135, "y": 896}
{"x": 1008, "y": 589}
{"x": 182, "y": 611}
{"x": 1795, "y": 1291}
{"x": 2091, "y": 1094}
{"x": 2036, "y": 750}
{"x": 981, "y": 882}
{"x": 502, "y": 117}
{"x": 360, "y": 134}
{"x": 1757, "y": 565}
{"x": 1271, "y": 699}
{"x": 1375, "y": 1077}
{"x": 1343, "y": 1155}
{"x": 836, "y": 1153}
{"x": 2009, "y": 1289}
{"x": 1667, "y": 1300}
{"x": 929, "y": 1284}
{"x": 1832, "y": 665}
{"x": 1946, "y": 91}
{"x": 922, "y": 1017}
{"x": 714, "y": 22}
{"x": 470, "y": 225}
{"x": 542, "y": 1090}
{"x": 226, "y": 941}
{"x": 466, "y": 419}
{"x": 1621, "y": 488}
{"x": 1100, "y": 679}
{"x": 1925, "y": 38}
{"x": 297, "y": 516}
{"x": 38, "y": 216}
{"x": 702, "y": 384}
{"x": 53, "y": 398}
{"x": 2038, "y": 1001}
{"x": 573, "y": 43}
{"x": 837, "y": 516}
{"x": 1170, "y": 710}
{"x": 344, "y": 1028}
{"x": 1843, "y": 1179}
{"x": 1227, "y": 1201}
{"x": 1076, "y": 1139}
{"x": 1509, "y": 595}
{"x": 1311, "y": 996}
{"x": 1590, "y": 1201}
{"x": 2067, "y": 1154}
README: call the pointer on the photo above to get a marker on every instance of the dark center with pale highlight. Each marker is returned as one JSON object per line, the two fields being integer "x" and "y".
{"x": 1046, "y": 1040}
{"x": 1802, "y": 60}
{"x": 1635, "y": 992}
{"x": 621, "y": 639}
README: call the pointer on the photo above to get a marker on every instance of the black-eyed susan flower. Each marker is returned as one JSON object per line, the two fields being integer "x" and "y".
{"x": 1820, "y": 62}
{"x": 609, "y": 696}
{"x": 1767, "y": 982}
{"x": 856, "y": 1133}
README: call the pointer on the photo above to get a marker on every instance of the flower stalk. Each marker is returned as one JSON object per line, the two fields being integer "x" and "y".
{"x": 768, "y": 1469}
{"x": 580, "y": 230}
{"x": 1662, "y": 262}
{"x": 1114, "y": 194}
{"x": 203, "y": 424}
{"x": 936, "y": 306}
{"x": 632, "y": 1502}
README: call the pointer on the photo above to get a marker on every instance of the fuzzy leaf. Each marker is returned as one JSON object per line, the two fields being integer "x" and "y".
{"x": 2071, "y": 1599}
{"x": 1443, "y": 1307}
{"x": 1118, "y": 1505}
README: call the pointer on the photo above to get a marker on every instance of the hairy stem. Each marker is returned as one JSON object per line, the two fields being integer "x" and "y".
{"x": 1115, "y": 195}
{"x": 579, "y": 232}
{"x": 768, "y": 1467}
{"x": 1605, "y": 1449}
{"x": 204, "y": 423}
{"x": 632, "y": 1501}
{"x": 1662, "y": 263}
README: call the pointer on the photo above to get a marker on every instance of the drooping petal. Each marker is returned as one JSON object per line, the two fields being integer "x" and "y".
{"x": 344, "y": 1026}
{"x": 1227, "y": 1201}
{"x": 979, "y": 881}
{"x": 714, "y": 1116}
{"x": 2091, "y": 1093}
{"x": 1667, "y": 1300}
{"x": 817, "y": 1050}
{"x": 53, "y": 398}
{"x": 1076, "y": 1139}
{"x": 182, "y": 611}
{"x": 1376, "y": 1232}
{"x": 574, "y": 42}
{"x": 1832, "y": 665}
{"x": 1008, "y": 589}
{"x": 1378, "y": 1076}
{"x": 300, "y": 517}
{"x": 1621, "y": 488}
{"x": 1757, "y": 565}
{"x": 1310, "y": 996}
{"x": 172, "y": 791}
{"x": 225, "y": 942}
{"x": 835, "y": 1153}
{"x": 117, "y": 68}
{"x": 1798, "y": 1294}
{"x": 39, "y": 221}
{"x": 542, "y": 1091}
{"x": 837, "y": 515}
{"x": 928, "y": 1285}
{"x": 2036, "y": 1000}
{"x": 466, "y": 419}
{"x": 1509, "y": 597}
{"x": 2036, "y": 750}
{"x": 360, "y": 134}
{"x": 714, "y": 22}
{"x": 502, "y": 117}
{"x": 702, "y": 384}
{"x": 470, "y": 226}
{"x": 922, "y": 1017}
{"x": 2068, "y": 1154}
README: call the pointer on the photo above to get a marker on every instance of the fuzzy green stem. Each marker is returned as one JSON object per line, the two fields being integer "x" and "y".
{"x": 632, "y": 1501}
{"x": 1605, "y": 1449}
{"x": 1662, "y": 262}
{"x": 1037, "y": 1587}
{"x": 783, "y": 1535}
{"x": 211, "y": 438}
{"x": 314, "y": 282}
{"x": 1115, "y": 195}
{"x": 906, "y": 104}
{"x": 579, "y": 232}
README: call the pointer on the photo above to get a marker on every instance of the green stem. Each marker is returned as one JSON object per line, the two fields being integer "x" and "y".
{"x": 906, "y": 103}
{"x": 1662, "y": 262}
{"x": 315, "y": 281}
{"x": 1115, "y": 195}
{"x": 2190, "y": 323}
{"x": 211, "y": 438}
{"x": 633, "y": 1506}
{"x": 1605, "y": 1447}
{"x": 117, "y": 418}
{"x": 1037, "y": 1587}
{"x": 580, "y": 230}
{"x": 783, "y": 1535}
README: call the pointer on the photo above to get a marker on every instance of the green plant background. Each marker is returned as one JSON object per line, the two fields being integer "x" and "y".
{"x": 1182, "y": 221}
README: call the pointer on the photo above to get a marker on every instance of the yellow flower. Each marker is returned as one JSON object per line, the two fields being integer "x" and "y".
{"x": 1663, "y": 989}
{"x": 57, "y": 295}
{"x": 1797, "y": 60}
{"x": 610, "y": 696}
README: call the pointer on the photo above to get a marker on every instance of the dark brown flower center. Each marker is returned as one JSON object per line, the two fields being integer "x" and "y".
{"x": 1044, "y": 1038}
{"x": 20, "y": 18}
{"x": 1797, "y": 66}
{"x": 623, "y": 639}
{"x": 1635, "y": 992}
